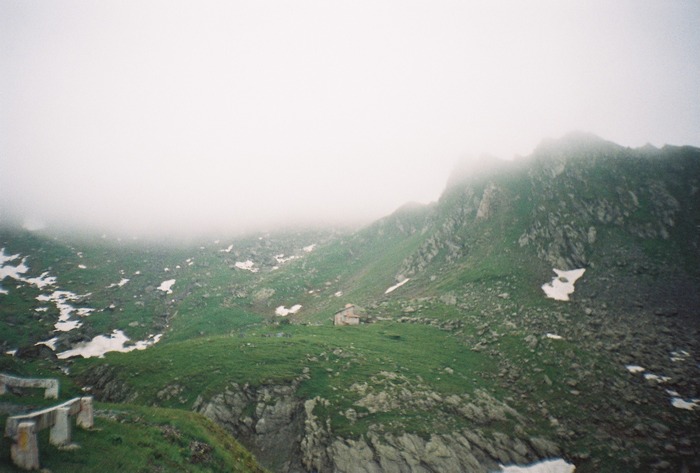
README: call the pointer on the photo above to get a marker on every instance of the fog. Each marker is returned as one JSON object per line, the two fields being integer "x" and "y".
{"x": 166, "y": 117}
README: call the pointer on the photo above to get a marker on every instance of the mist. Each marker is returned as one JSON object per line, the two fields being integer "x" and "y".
{"x": 184, "y": 118}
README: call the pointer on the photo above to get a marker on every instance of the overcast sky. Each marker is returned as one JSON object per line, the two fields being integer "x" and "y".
{"x": 168, "y": 116}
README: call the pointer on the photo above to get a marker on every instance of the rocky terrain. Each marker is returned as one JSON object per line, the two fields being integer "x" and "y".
{"x": 282, "y": 428}
{"x": 462, "y": 362}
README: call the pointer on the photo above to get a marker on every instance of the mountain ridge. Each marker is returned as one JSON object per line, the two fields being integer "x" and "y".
{"x": 468, "y": 351}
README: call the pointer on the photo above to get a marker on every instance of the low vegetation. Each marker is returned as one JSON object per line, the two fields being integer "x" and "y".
{"x": 469, "y": 344}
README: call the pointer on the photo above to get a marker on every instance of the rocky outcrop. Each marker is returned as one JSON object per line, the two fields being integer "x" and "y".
{"x": 565, "y": 234}
{"x": 103, "y": 383}
{"x": 290, "y": 434}
{"x": 443, "y": 232}
{"x": 317, "y": 436}
{"x": 472, "y": 451}
{"x": 566, "y": 196}
{"x": 488, "y": 202}
{"x": 267, "y": 419}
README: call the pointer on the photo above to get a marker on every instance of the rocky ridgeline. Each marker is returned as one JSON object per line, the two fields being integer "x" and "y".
{"x": 585, "y": 203}
{"x": 563, "y": 196}
{"x": 567, "y": 217}
{"x": 444, "y": 230}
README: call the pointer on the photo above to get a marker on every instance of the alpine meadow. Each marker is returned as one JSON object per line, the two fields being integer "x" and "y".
{"x": 542, "y": 312}
{"x": 367, "y": 236}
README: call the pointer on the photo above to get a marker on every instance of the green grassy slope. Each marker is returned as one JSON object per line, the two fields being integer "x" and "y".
{"x": 142, "y": 439}
{"x": 472, "y": 318}
{"x": 335, "y": 358}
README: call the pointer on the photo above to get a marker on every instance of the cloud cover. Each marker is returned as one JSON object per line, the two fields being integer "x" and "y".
{"x": 167, "y": 116}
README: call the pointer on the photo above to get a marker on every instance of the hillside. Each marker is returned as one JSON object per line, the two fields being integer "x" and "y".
{"x": 142, "y": 439}
{"x": 462, "y": 362}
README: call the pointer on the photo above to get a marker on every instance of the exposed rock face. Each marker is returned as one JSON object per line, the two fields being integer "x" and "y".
{"x": 565, "y": 234}
{"x": 488, "y": 201}
{"x": 267, "y": 419}
{"x": 470, "y": 451}
{"x": 572, "y": 202}
{"x": 444, "y": 231}
{"x": 287, "y": 435}
{"x": 104, "y": 384}
{"x": 36, "y": 352}
{"x": 316, "y": 438}
{"x": 567, "y": 196}
{"x": 263, "y": 294}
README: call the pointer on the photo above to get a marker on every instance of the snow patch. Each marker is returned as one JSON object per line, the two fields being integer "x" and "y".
{"x": 49, "y": 343}
{"x": 3, "y": 291}
{"x": 17, "y": 272}
{"x": 14, "y": 272}
{"x": 281, "y": 259}
{"x": 166, "y": 286}
{"x": 338, "y": 294}
{"x": 282, "y": 311}
{"x": 689, "y": 405}
{"x": 546, "y": 466}
{"x": 676, "y": 400}
{"x": 396, "y": 286}
{"x": 563, "y": 284}
{"x": 227, "y": 250}
{"x": 5, "y": 258}
{"x": 42, "y": 281}
{"x": 82, "y": 266}
{"x": 66, "y": 325}
{"x": 680, "y": 355}
{"x": 60, "y": 299}
{"x": 247, "y": 265}
{"x": 310, "y": 248}
{"x": 118, "y": 284}
{"x": 656, "y": 378}
{"x": 554, "y": 336}
{"x": 102, "y": 344}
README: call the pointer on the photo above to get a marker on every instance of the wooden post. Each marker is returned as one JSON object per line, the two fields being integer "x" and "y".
{"x": 85, "y": 416}
{"x": 25, "y": 449}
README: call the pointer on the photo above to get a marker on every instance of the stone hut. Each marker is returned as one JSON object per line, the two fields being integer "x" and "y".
{"x": 347, "y": 316}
